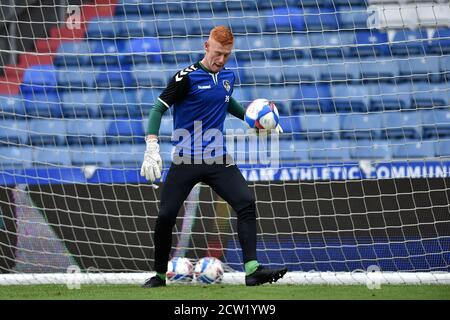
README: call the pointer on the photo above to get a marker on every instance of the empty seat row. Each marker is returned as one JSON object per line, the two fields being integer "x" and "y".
{"x": 126, "y": 7}
{"x": 76, "y": 131}
{"x": 131, "y": 155}
{"x": 343, "y": 150}
{"x": 327, "y": 45}
{"x": 340, "y": 98}
{"x": 292, "y": 71}
{"x": 80, "y": 104}
{"x": 391, "y": 125}
{"x": 289, "y": 18}
{"x": 290, "y": 99}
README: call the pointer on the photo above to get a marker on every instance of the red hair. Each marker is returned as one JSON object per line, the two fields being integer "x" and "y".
{"x": 222, "y": 34}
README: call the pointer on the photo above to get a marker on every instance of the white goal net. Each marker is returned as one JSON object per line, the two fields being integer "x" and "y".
{"x": 361, "y": 180}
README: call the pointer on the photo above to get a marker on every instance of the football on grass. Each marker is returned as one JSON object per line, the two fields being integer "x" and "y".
{"x": 180, "y": 270}
{"x": 262, "y": 114}
{"x": 209, "y": 270}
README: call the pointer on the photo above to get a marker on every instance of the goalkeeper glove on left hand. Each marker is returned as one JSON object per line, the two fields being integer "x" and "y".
{"x": 152, "y": 164}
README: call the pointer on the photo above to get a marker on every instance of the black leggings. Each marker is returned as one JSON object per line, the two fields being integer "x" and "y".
{"x": 227, "y": 181}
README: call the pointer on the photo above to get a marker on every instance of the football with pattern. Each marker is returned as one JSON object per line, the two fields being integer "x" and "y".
{"x": 262, "y": 114}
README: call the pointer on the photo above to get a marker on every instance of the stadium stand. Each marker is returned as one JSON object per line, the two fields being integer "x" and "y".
{"x": 323, "y": 64}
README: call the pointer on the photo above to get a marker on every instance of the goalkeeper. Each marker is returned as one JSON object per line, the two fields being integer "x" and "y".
{"x": 201, "y": 97}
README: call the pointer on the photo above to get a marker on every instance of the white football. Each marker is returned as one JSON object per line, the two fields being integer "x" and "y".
{"x": 262, "y": 114}
{"x": 180, "y": 270}
{"x": 209, "y": 270}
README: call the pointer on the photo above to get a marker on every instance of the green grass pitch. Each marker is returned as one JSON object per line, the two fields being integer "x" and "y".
{"x": 225, "y": 292}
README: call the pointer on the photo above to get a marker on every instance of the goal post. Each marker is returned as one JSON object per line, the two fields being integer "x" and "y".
{"x": 355, "y": 191}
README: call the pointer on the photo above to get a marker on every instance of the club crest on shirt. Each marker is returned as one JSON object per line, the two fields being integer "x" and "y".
{"x": 226, "y": 85}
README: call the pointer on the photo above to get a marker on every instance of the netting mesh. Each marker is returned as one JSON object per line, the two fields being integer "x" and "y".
{"x": 362, "y": 90}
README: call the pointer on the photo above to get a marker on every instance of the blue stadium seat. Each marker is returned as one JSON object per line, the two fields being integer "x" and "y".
{"x": 125, "y": 131}
{"x": 254, "y": 47}
{"x": 350, "y": 98}
{"x": 237, "y": 67}
{"x": 329, "y": 150}
{"x": 166, "y": 128}
{"x": 304, "y": 70}
{"x": 181, "y": 50}
{"x": 321, "y": 19}
{"x": 133, "y": 7}
{"x": 81, "y": 104}
{"x": 244, "y": 5}
{"x": 39, "y": 78}
{"x": 90, "y": 156}
{"x": 444, "y": 65}
{"x": 264, "y": 4}
{"x": 330, "y": 44}
{"x": 161, "y": 8}
{"x": 370, "y": 149}
{"x": 431, "y": 95}
{"x": 240, "y": 23}
{"x": 146, "y": 98}
{"x": 409, "y": 42}
{"x": 390, "y": 97}
{"x": 45, "y": 105}
{"x": 352, "y": 3}
{"x": 137, "y": 26}
{"x": 103, "y": 28}
{"x": 291, "y": 127}
{"x": 127, "y": 155}
{"x": 291, "y": 46}
{"x": 320, "y": 126}
{"x": 11, "y": 106}
{"x": 119, "y": 103}
{"x": 114, "y": 76}
{"x": 141, "y": 50}
{"x": 86, "y": 132}
{"x": 353, "y": 17}
{"x": 15, "y": 157}
{"x": 435, "y": 123}
{"x": 105, "y": 52}
{"x": 262, "y": 72}
{"x": 151, "y": 75}
{"x": 243, "y": 95}
{"x": 174, "y": 25}
{"x": 347, "y": 70}
{"x": 207, "y": 7}
{"x": 76, "y": 53}
{"x": 47, "y": 132}
{"x": 410, "y": 149}
{"x": 287, "y": 19}
{"x": 13, "y": 132}
{"x": 76, "y": 78}
{"x": 440, "y": 42}
{"x": 361, "y": 126}
{"x": 281, "y": 96}
{"x": 424, "y": 68}
{"x": 370, "y": 43}
{"x": 402, "y": 125}
{"x": 293, "y": 151}
{"x": 379, "y": 70}
{"x": 52, "y": 156}
{"x": 442, "y": 148}
{"x": 312, "y": 98}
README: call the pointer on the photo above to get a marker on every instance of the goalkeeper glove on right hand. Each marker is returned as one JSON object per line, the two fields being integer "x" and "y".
{"x": 152, "y": 164}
